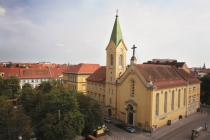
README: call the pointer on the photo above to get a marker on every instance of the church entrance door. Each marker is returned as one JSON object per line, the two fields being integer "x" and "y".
{"x": 109, "y": 112}
{"x": 130, "y": 118}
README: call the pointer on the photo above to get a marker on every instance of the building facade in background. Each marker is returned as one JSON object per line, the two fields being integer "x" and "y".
{"x": 33, "y": 74}
{"x": 75, "y": 77}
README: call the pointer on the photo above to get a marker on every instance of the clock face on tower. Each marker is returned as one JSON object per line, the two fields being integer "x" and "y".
{"x": 111, "y": 49}
{"x": 121, "y": 50}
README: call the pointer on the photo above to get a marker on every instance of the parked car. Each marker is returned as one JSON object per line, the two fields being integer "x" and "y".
{"x": 107, "y": 119}
{"x": 121, "y": 126}
{"x": 130, "y": 129}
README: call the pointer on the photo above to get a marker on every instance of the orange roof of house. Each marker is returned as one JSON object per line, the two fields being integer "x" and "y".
{"x": 32, "y": 72}
{"x": 206, "y": 70}
{"x": 83, "y": 68}
{"x": 57, "y": 72}
{"x": 98, "y": 76}
{"x": 35, "y": 73}
{"x": 10, "y": 72}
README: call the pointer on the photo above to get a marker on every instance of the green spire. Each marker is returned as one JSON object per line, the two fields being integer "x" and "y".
{"x": 116, "y": 36}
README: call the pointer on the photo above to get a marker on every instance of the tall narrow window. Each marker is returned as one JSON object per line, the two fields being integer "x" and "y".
{"x": 132, "y": 87}
{"x": 185, "y": 97}
{"x": 189, "y": 99}
{"x": 194, "y": 98}
{"x": 110, "y": 101}
{"x": 111, "y": 59}
{"x": 165, "y": 102}
{"x": 121, "y": 62}
{"x": 172, "y": 100}
{"x": 157, "y": 104}
{"x": 179, "y": 98}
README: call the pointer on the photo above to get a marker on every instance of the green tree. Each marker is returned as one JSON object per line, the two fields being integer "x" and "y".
{"x": 12, "y": 122}
{"x": 43, "y": 109}
{"x": 47, "y": 86}
{"x": 10, "y": 87}
{"x": 92, "y": 111}
{"x": 205, "y": 89}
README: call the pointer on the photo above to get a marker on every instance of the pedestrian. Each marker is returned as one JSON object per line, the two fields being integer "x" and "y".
{"x": 150, "y": 133}
{"x": 180, "y": 122}
{"x": 201, "y": 111}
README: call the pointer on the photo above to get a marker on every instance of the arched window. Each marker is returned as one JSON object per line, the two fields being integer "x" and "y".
{"x": 111, "y": 59}
{"x": 179, "y": 98}
{"x": 132, "y": 86}
{"x": 157, "y": 105}
{"x": 121, "y": 62}
{"x": 172, "y": 100}
{"x": 165, "y": 102}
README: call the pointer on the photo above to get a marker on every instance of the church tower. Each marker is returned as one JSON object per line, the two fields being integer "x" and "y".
{"x": 115, "y": 66}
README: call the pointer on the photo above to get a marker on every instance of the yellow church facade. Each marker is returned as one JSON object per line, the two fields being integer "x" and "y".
{"x": 144, "y": 95}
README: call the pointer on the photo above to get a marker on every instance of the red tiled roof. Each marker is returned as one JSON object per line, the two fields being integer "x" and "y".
{"x": 193, "y": 72}
{"x": 161, "y": 75}
{"x": 188, "y": 77}
{"x": 35, "y": 73}
{"x": 10, "y": 72}
{"x": 32, "y": 72}
{"x": 206, "y": 70}
{"x": 83, "y": 68}
{"x": 98, "y": 76}
{"x": 56, "y": 72}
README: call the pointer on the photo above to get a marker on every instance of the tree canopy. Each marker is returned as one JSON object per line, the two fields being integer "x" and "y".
{"x": 12, "y": 122}
{"x": 78, "y": 113}
{"x": 205, "y": 89}
{"x": 9, "y": 87}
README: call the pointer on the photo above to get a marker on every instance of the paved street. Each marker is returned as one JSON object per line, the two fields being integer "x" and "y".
{"x": 175, "y": 131}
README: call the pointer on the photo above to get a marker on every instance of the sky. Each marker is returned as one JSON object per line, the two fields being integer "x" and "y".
{"x": 78, "y": 31}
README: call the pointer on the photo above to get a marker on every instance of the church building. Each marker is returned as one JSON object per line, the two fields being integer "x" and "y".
{"x": 145, "y": 95}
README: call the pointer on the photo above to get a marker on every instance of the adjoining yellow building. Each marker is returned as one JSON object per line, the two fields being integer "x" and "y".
{"x": 146, "y": 95}
{"x": 75, "y": 77}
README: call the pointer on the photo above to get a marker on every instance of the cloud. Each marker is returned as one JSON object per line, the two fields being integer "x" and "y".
{"x": 2, "y": 10}
{"x": 68, "y": 50}
{"x": 90, "y": 45}
{"x": 60, "y": 45}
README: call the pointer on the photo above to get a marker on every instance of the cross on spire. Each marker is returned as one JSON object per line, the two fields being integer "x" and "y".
{"x": 117, "y": 12}
{"x": 134, "y": 47}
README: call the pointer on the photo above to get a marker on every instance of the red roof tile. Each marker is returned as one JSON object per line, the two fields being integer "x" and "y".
{"x": 206, "y": 70}
{"x": 10, "y": 72}
{"x": 83, "y": 68}
{"x": 57, "y": 72}
{"x": 161, "y": 75}
{"x": 188, "y": 77}
{"x": 35, "y": 73}
{"x": 98, "y": 76}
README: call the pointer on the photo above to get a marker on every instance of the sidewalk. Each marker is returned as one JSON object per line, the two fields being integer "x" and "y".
{"x": 176, "y": 124}
{"x": 166, "y": 128}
